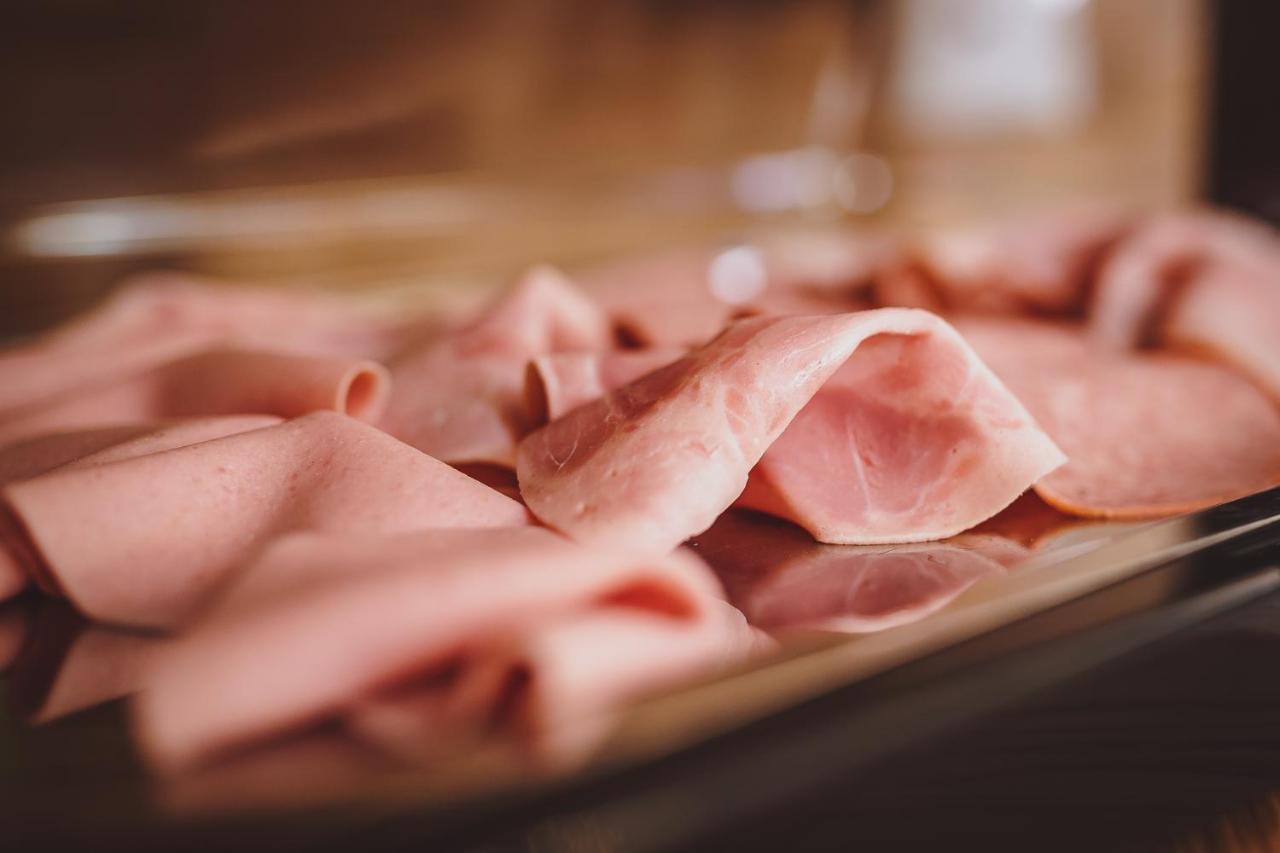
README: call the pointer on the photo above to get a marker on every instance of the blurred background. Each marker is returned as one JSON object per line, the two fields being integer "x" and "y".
{"x": 441, "y": 146}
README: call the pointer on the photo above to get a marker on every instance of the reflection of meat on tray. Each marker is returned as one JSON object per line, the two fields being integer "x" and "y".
{"x": 783, "y": 580}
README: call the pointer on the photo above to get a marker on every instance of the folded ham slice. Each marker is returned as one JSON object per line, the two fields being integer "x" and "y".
{"x": 563, "y": 381}
{"x": 515, "y": 628}
{"x": 215, "y": 382}
{"x": 1145, "y": 434}
{"x": 162, "y": 316}
{"x": 899, "y": 434}
{"x": 784, "y": 582}
{"x": 144, "y": 540}
{"x": 25, "y": 459}
{"x": 1040, "y": 264}
{"x": 461, "y": 398}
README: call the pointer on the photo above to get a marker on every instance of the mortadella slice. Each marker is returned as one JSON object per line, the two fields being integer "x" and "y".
{"x": 461, "y": 398}
{"x": 488, "y": 624}
{"x": 915, "y": 439}
{"x": 144, "y": 540}
{"x": 1146, "y": 435}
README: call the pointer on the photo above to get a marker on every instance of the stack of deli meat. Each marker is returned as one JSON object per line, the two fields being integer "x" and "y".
{"x": 429, "y": 531}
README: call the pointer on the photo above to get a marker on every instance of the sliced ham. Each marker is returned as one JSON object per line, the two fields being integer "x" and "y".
{"x": 144, "y": 540}
{"x": 26, "y": 459}
{"x": 215, "y": 382}
{"x": 1040, "y": 264}
{"x": 1231, "y": 314}
{"x": 563, "y": 381}
{"x": 656, "y": 461}
{"x": 785, "y": 582}
{"x": 1163, "y": 255}
{"x": 461, "y": 398}
{"x": 515, "y": 628}
{"x": 160, "y": 317}
{"x": 1145, "y": 434}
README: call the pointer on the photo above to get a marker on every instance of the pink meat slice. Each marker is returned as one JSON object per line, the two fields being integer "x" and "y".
{"x": 562, "y": 381}
{"x": 657, "y": 461}
{"x": 784, "y": 582}
{"x": 144, "y": 540}
{"x": 495, "y": 620}
{"x": 1039, "y": 264}
{"x": 162, "y": 316}
{"x": 1146, "y": 435}
{"x": 1146, "y": 271}
{"x": 1231, "y": 314}
{"x": 215, "y": 382}
{"x": 461, "y": 398}
{"x": 30, "y": 458}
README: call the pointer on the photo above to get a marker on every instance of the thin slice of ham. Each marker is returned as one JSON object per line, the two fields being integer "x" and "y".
{"x": 657, "y": 460}
{"x": 1203, "y": 281}
{"x": 1146, "y": 435}
{"x": 215, "y": 382}
{"x": 493, "y": 619}
{"x": 559, "y": 382}
{"x": 1231, "y": 314}
{"x": 461, "y": 397}
{"x": 785, "y": 582}
{"x": 1039, "y": 264}
{"x": 25, "y": 459}
{"x": 159, "y": 317}
{"x": 144, "y": 540}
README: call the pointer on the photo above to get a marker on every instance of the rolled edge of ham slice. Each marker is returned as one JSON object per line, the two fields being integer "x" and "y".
{"x": 218, "y": 382}
{"x": 143, "y": 540}
{"x": 313, "y": 631}
{"x": 559, "y": 382}
{"x": 461, "y": 397}
{"x": 656, "y": 461}
{"x": 1145, "y": 273}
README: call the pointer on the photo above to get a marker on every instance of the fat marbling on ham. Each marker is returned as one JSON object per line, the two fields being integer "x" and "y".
{"x": 879, "y": 426}
{"x": 516, "y": 628}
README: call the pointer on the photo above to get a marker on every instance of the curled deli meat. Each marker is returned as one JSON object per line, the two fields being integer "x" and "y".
{"x": 516, "y": 628}
{"x": 213, "y": 382}
{"x": 878, "y": 426}
{"x": 461, "y": 396}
